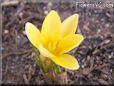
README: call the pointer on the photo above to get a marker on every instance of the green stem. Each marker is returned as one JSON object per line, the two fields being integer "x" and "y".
{"x": 46, "y": 65}
{"x": 37, "y": 55}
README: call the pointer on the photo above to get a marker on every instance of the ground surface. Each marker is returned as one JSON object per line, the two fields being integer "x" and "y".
{"x": 95, "y": 54}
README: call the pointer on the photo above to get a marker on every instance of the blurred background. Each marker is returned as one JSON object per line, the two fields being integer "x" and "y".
{"x": 95, "y": 54}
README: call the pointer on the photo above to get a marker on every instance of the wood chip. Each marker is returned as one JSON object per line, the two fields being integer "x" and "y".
{"x": 103, "y": 82}
{"x": 25, "y": 79}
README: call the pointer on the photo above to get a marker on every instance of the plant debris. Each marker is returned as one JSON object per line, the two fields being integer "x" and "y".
{"x": 95, "y": 54}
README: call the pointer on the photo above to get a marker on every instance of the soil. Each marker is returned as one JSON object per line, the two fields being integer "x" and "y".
{"x": 95, "y": 54}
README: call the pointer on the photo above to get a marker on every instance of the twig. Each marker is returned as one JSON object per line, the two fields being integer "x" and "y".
{"x": 6, "y": 3}
{"x": 17, "y": 53}
{"x": 25, "y": 79}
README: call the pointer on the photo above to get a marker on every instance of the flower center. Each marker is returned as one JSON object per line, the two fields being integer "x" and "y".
{"x": 52, "y": 46}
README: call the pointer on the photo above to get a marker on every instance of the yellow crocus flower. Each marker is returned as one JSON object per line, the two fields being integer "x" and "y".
{"x": 56, "y": 39}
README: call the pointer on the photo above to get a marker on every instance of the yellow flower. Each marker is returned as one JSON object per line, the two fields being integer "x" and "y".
{"x": 56, "y": 39}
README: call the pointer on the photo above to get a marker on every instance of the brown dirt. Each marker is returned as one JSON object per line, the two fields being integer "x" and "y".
{"x": 95, "y": 54}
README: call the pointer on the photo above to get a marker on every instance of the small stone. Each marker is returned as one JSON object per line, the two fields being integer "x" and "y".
{"x": 111, "y": 70}
{"x": 83, "y": 66}
{"x": 12, "y": 71}
{"x": 6, "y": 31}
{"x": 50, "y": 4}
{"x": 110, "y": 57}
{"x": 88, "y": 58}
{"x": 98, "y": 31}
{"x": 86, "y": 71}
{"x": 21, "y": 15}
{"x": 45, "y": 12}
{"x": 107, "y": 25}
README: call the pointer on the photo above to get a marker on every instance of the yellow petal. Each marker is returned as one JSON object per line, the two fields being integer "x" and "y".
{"x": 45, "y": 52}
{"x": 68, "y": 43}
{"x": 51, "y": 28}
{"x": 33, "y": 34}
{"x": 69, "y": 25}
{"x": 66, "y": 61}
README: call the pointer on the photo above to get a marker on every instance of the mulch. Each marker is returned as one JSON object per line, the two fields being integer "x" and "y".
{"x": 95, "y": 54}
